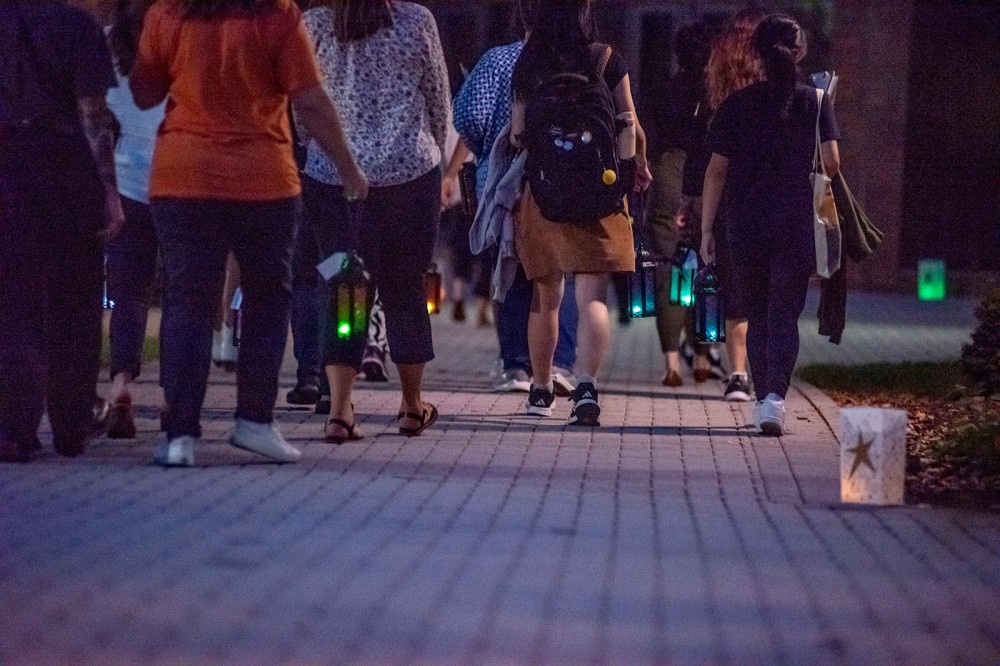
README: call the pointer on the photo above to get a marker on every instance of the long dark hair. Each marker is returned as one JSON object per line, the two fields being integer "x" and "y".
{"x": 560, "y": 32}
{"x": 126, "y": 26}
{"x": 218, "y": 8}
{"x": 781, "y": 44}
{"x": 355, "y": 20}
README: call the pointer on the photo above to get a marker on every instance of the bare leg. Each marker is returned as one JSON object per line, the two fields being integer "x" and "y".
{"x": 673, "y": 361}
{"x": 412, "y": 378}
{"x": 543, "y": 326}
{"x": 736, "y": 345}
{"x": 594, "y": 330}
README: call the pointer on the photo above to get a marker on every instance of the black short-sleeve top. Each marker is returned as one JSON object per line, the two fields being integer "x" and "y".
{"x": 770, "y": 154}
{"x": 51, "y": 54}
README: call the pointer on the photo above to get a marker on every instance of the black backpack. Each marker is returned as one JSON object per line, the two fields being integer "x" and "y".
{"x": 571, "y": 138}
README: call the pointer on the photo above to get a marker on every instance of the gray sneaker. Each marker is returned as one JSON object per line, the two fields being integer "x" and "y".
{"x": 772, "y": 415}
{"x": 177, "y": 452}
{"x": 513, "y": 381}
{"x": 263, "y": 439}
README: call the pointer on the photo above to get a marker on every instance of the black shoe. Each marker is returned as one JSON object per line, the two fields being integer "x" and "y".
{"x": 458, "y": 311}
{"x": 717, "y": 370}
{"x": 121, "y": 422}
{"x": 323, "y": 405}
{"x": 304, "y": 393}
{"x": 373, "y": 365}
{"x": 100, "y": 414}
{"x": 586, "y": 411}
{"x": 540, "y": 401}
{"x": 738, "y": 389}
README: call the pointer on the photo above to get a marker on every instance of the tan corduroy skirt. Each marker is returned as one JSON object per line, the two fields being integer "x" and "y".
{"x": 548, "y": 248}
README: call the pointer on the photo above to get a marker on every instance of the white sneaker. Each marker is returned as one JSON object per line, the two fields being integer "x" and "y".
{"x": 563, "y": 381}
{"x": 772, "y": 415}
{"x": 263, "y": 439}
{"x": 177, "y": 452}
{"x": 513, "y": 381}
{"x": 227, "y": 345}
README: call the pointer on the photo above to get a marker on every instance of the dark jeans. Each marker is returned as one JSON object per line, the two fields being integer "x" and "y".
{"x": 309, "y": 294}
{"x": 773, "y": 275}
{"x": 131, "y": 272}
{"x": 51, "y": 277}
{"x": 195, "y": 238}
{"x": 465, "y": 265}
{"x": 396, "y": 229}
{"x": 512, "y": 325}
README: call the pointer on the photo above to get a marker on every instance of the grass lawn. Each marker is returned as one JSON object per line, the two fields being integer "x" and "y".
{"x": 150, "y": 350}
{"x": 953, "y": 438}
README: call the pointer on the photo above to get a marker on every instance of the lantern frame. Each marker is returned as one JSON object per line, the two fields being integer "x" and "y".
{"x": 709, "y": 317}
{"x": 432, "y": 289}
{"x": 642, "y": 285}
{"x": 351, "y": 297}
{"x": 682, "y": 276}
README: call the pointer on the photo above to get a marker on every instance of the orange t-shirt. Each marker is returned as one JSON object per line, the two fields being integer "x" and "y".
{"x": 227, "y": 80}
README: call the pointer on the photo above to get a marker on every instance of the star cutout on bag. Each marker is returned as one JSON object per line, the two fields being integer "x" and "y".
{"x": 861, "y": 456}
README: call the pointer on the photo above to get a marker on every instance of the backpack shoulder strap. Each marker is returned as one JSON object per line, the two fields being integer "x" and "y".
{"x": 600, "y": 56}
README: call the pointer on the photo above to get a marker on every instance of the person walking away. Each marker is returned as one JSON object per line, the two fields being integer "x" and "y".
{"x": 58, "y": 200}
{"x": 482, "y": 110}
{"x": 224, "y": 178}
{"x": 732, "y": 66}
{"x": 131, "y": 257}
{"x": 594, "y": 243}
{"x": 678, "y": 119}
{"x": 763, "y": 142}
{"x": 384, "y": 55}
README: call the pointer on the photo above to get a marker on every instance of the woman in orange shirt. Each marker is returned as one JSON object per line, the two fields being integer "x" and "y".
{"x": 224, "y": 178}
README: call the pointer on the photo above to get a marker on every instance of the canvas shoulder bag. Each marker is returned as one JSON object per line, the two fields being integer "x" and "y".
{"x": 826, "y": 223}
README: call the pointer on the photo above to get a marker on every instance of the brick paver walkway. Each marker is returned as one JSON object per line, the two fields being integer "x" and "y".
{"x": 670, "y": 535}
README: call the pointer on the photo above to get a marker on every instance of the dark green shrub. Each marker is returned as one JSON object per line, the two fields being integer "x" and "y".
{"x": 981, "y": 358}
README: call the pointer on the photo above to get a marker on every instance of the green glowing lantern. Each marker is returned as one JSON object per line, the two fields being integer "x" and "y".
{"x": 351, "y": 297}
{"x": 642, "y": 285}
{"x": 432, "y": 290}
{"x": 709, "y": 319}
{"x": 683, "y": 268}
{"x": 931, "y": 284}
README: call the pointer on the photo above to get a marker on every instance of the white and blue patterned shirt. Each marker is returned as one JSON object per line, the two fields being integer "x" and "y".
{"x": 391, "y": 91}
{"x": 483, "y": 106}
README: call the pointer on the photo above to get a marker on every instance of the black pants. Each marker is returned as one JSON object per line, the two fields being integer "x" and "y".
{"x": 51, "y": 278}
{"x": 131, "y": 274}
{"x": 395, "y": 235}
{"x": 195, "y": 239}
{"x": 466, "y": 266}
{"x": 773, "y": 279}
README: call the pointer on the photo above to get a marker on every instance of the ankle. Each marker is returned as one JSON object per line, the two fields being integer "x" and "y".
{"x": 586, "y": 379}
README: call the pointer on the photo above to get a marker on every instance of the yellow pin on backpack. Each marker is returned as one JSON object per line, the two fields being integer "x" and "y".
{"x": 610, "y": 177}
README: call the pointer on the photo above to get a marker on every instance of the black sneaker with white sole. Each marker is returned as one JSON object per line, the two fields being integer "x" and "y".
{"x": 586, "y": 411}
{"x": 738, "y": 388}
{"x": 540, "y": 401}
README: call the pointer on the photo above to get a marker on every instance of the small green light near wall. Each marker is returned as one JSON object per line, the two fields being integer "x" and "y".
{"x": 931, "y": 280}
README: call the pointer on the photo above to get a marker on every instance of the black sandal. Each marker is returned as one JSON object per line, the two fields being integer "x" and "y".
{"x": 426, "y": 418}
{"x": 353, "y": 433}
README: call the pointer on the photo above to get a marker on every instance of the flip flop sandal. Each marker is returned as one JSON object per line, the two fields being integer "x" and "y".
{"x": 426, "y": 418}
{"x": 352, "y": 430}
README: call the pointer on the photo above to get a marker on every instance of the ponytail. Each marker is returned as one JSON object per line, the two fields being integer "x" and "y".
{"x": 123, "y": 38}
{"x": 781, "y": 44}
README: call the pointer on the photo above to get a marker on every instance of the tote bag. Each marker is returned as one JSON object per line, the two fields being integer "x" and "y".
{"x": 826, "y": 223}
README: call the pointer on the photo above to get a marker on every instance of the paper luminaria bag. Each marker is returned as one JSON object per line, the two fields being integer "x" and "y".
{"x": 872, "y": 455}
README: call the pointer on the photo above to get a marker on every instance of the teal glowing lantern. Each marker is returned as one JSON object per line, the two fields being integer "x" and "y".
{"x": 709, "y": 319}
{"x": 642, "y": 285}
{"x": 931, "y": 284}
{"x": 432, "y": 290}
{"x": 683, "y": 269}
{"x": 351, "y": 297}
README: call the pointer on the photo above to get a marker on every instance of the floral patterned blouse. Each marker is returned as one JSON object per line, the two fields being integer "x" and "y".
{"x": 391, "y": 91}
